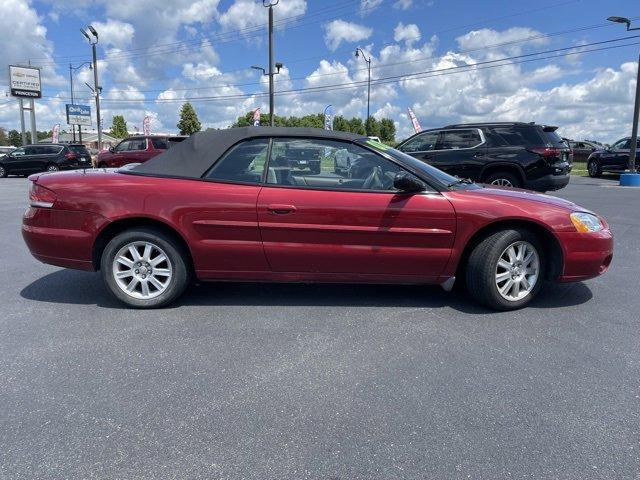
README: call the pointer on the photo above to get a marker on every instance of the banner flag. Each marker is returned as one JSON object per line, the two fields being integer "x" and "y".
{"x": 328, "y": 118}
{"x": 146, "y": 125}
{"x": 256, "y": 117}
{"x": 414, "y": 121}
{"x": 55, "y": 135}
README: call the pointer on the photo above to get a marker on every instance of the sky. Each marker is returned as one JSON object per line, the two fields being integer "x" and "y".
{"x": 555, "y": 62}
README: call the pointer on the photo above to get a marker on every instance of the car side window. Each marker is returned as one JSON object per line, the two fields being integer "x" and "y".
{"x": 138, "y": 144}
{"x": 328, "y": 164}
{"x": 457, "y": 139}
{"x": 243, "y": 163}
{"x": 122, "y": 146}
{"x": 18, "y": 152}
{"x": 421, "y": 143}
{"x": 159, "y": 143}
{"x": 621, "y": 144}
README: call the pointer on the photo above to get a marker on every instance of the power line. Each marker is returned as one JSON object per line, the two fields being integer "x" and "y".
{"x": 519, "y": 59}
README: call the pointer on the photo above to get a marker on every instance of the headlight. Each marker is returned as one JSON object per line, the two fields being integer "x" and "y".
{"x": 586, "y": 222}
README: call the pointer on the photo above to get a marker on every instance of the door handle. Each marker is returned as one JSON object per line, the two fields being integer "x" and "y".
{"x": 280, "y": 209}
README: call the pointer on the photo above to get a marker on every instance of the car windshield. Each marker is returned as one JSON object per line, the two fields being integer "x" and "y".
{"x": 441, "y": 177}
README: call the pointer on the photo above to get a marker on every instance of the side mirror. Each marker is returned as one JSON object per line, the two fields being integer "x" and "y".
{"x": 111, "y": 149}
{"x": 405, "y": 182}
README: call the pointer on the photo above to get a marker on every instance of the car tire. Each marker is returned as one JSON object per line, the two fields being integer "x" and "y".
{"x": 52, "y": 167}
{"x": 594, "y": 168}
{"x": 102, "y": 165}
{"x": 492, "y": 265}
{"x": 503, "y": 179}
{"x": 3, "y": 172}
{"x": 126, "y": 274}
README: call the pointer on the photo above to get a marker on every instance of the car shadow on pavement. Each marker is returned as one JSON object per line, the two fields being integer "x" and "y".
{"x": 84, "y": 288}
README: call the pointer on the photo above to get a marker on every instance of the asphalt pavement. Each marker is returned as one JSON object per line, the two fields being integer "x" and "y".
{"x": 258, "y": 381}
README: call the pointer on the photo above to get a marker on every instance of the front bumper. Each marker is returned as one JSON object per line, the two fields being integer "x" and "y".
{"x": 548, "y": 182}
{"x": 586, "y": 255}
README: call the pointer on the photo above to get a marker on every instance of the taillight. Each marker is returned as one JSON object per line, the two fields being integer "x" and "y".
{"x": 71, "y": 156}
{"x": 546, "y": 151}
{"x": 40, "y": 196}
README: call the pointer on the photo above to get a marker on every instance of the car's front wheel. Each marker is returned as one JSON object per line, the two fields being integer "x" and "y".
{"x": 3, "y": 171}
{"x": 145, "y": 268}
{"x": 52, "y": 167}
{"x": 505, "y": 270}
{"x": 594, "y": 168}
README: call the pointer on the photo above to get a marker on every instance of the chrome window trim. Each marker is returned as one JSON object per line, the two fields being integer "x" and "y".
{"x": 482, "y": 137}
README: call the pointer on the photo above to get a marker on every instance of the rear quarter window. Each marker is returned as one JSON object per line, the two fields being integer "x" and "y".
{"x": 159, "y": 143}
{"x": 79, "y": 149}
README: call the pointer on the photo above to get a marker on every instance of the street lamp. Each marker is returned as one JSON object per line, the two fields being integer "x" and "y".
{"x": 359, "y": 52}
{"x": 71, "y": 70}
{"x": 93, "y": 41}
{"x": 632, "y": 178}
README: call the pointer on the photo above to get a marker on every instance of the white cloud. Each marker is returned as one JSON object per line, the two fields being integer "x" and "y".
{"x": 407, "y": 33}
{"x": 339, "y": 31}
{"x": 244, "y": 14}
{"x": 367, "y": 6}
{"x": 115, "y": 33}
{"x": 403, "y": 4}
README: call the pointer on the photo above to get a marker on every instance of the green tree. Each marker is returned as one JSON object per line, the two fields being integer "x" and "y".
{"x": 357, "y": 126}
{"x": 119, "y": 127}
{"x": 387, "y": 130}
{"x": 15, "y": 138}
{"x": 372, "y": 127}
{"x": 189, "y": 123}
{"x": 341, "y": 124}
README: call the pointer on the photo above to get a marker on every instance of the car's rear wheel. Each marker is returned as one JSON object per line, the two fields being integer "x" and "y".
{"x": 52, "y": 167}
{"x": 144, "y": 268}
{"x": 503, "y": 179}
{"x": 505, "y": 270}
{"x": 103, "y": 165}
{"x": 3, "y": 172}
{"x": 594, "y": 168}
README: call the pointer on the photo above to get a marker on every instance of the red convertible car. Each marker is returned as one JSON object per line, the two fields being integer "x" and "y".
{"x": 237, "y": 205}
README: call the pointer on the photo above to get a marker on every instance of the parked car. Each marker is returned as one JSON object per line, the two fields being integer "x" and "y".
{"x": 136, "y": 149}
{"x": 510, "y": 154}
{"x": 49, "y": 157}
{"x": 225, "y": 205}
{"x": 582, "y": 149}
{"x": 614, "y": 159}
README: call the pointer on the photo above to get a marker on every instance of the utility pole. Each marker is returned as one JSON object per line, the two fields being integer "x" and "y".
{"x": 632, "y": 178}
{"x": 270, "y": 4}
{"x": 96, "y": 88}
{"x": 73, "y": 127}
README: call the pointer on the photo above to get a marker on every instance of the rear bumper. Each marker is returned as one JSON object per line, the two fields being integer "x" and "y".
{"x": 548, "y": 183}
{"x": 62, "y": 237}
{"x": 586, "y": 255}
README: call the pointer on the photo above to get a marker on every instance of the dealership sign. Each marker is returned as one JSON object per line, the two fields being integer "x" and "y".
{"x": 78, "y": 115}
{"x": 25, "y": 82}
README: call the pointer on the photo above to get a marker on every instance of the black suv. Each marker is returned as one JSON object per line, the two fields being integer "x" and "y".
{"x": 614, "y": 159}
{"x": 511, "y": 154}
{"x": 46, "y": 157}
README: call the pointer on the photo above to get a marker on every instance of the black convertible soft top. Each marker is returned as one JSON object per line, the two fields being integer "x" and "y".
{"x": 195, "y": 155}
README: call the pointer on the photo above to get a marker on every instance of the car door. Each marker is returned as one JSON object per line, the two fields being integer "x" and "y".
{"x": 16, "y": 161}
{"x": 136, "y": 152}
{"x": 421, "y": 146}
{"x": 34, "y": 159}
{"x": 460, "y": 152}
{"x": 350, "y": 226}
{"x": 617, "y": 158}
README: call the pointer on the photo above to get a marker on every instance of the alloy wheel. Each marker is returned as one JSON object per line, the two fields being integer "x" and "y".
{"x": 142, "y": 270}
{"x": 52, "y": 168}
{"x": 593, "y": 168}
{"x": 502, "y": 182}
{"x": 3, "y": 172}
{"x": 517, "y": 271}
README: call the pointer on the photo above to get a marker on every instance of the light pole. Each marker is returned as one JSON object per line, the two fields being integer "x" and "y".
{"x": 93, "y": 40}
{"x": 359, "y": 52}
{"x": 271, "y": 73}
{"x": 71, "y": 70}
{"x": 632, "y": 178}
{"x": 270, "y": 4}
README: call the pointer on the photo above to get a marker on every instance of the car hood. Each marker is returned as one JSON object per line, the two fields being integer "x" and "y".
{"x": 521, "y": 197}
